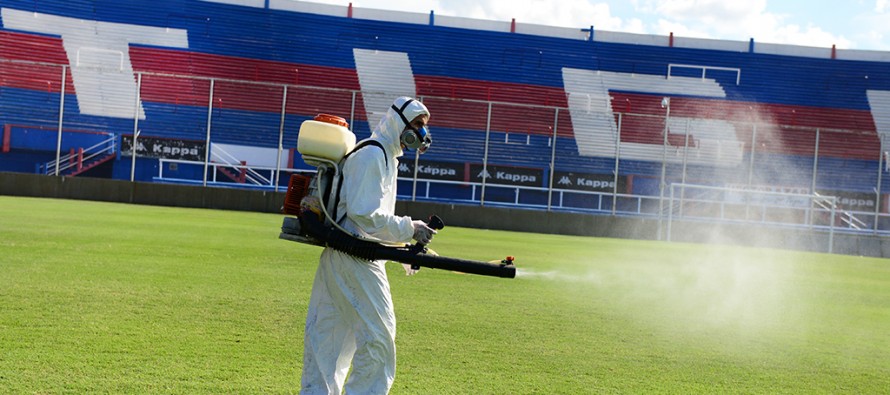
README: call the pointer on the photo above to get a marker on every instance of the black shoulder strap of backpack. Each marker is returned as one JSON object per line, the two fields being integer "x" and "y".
{"x": 366, "y": 143}
{"x": 343, "y": 161}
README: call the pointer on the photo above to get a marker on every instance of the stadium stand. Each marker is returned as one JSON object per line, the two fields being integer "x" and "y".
{"x": 523, "y": 115}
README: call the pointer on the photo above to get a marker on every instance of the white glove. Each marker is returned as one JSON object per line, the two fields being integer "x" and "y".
{"x": 422, "y": 233}
{"x": 408, "y": 270}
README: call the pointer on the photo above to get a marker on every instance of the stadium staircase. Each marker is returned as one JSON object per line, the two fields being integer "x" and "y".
{"x": 82, "y": 160}
{"x": 236, "y": 169}
{"x": 239, "y": 175}
{"x": 846, "y": 217}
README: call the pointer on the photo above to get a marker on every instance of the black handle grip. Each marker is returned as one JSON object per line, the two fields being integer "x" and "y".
{"x": 435, "y": 222}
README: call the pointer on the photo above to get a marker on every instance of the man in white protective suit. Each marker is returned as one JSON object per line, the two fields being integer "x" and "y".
{"x": 351, "y": 317}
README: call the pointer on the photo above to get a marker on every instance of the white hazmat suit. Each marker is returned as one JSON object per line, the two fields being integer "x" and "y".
{"x": 351, "y": 317}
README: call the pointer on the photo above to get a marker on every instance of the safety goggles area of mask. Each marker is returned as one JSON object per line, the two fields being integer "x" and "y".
{"x": 417, "y": 139}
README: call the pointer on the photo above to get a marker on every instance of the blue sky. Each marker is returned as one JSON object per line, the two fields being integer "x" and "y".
{"x": 853, "y": 24}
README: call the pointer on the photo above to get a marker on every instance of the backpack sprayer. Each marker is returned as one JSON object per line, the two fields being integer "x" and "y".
{"x": 325, "y": 143}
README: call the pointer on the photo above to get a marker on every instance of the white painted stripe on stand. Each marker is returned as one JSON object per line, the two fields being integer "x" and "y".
{"x": 596, "y": 129}
{"x": 383, "y": 76}
{"x": 99, "y": 56}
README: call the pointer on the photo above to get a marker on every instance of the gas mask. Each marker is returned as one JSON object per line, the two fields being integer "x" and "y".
{"x": 412, "y": 137}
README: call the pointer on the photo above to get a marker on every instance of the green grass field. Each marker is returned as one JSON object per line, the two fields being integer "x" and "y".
{"x": 114, "y": 298}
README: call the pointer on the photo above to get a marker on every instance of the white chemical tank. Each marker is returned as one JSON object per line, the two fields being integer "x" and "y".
{"x": 326, "y": 137}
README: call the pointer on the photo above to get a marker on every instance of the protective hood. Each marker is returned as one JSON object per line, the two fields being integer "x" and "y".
{"x": 391, "y": 125}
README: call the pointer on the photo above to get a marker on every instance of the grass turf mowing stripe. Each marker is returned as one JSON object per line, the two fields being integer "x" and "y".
{"x": 102, "y": 297}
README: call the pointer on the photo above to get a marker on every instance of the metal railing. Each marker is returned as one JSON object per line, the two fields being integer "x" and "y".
{"x": 617, "y": 158}
{"x": 845, "y": 216}
{"x": 213, "y": 175}
{"x": 603, "y": 201}
{"x": 79, "y": 157}
{"x": 791, "y": 215}
{"x": 250, "y": 174}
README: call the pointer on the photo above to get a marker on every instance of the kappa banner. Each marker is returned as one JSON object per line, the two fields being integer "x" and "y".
{"x": 432, "y": 170}
{"x": 505, "y": 175}
{"x": 164, "y": 148}
{"x": 494, "y": 174}
{"x": 852, "y": 201}
{"x": 587, "y": 182}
